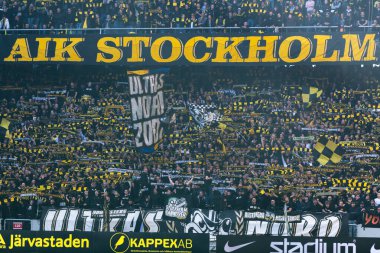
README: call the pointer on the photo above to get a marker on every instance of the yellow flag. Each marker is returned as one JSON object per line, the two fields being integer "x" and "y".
{"x": 85, "y": 23}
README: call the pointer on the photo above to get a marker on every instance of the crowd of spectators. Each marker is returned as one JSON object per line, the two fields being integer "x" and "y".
{"x": 68, "y": 14}
{"x": 69, "y": 148}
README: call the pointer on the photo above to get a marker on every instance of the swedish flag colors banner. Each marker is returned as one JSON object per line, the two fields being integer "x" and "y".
{"x": 147, "y": 107}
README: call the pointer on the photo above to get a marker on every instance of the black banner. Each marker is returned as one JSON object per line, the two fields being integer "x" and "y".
{"x": 147, "y": 107}
{"x": 270, "y": 216}
{"x": 36, "y": 242}
{"x": 274, "y": 244}
{"x": 212, "y": 222}
{"x": 371, "y": 220}
{"x": 186, "y": 49}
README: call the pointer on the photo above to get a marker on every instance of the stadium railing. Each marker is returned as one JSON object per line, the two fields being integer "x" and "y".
{"x": 188, "y": 30}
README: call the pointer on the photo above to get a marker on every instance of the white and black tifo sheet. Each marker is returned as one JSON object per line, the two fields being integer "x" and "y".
{"x": 204, "y": 115}
{"x": 147, "y": 107}
{"x": 200, "y": 221}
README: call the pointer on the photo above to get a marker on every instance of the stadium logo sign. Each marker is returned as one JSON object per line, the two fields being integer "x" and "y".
{"x": 318, "y": 246}
{"x": 19, "y": 241}
{"x": 3, "y": 245}
{"x": 121, "y": 242}
{"x": 228, "y": 248}
{"x": 374, "y": 250}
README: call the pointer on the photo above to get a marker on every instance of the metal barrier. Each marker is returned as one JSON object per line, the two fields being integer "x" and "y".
{"x": 352, "y": 230}
{"x": 194, "y": 30}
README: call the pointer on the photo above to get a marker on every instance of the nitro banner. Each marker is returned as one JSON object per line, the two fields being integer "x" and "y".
{"x": 319, "y": 224}
{"x": 63, "y": 242}
{"x": 200, "y": 221}
{"x": 147, "y": 107}
{"x": 371, "y": 220}
{"x": 266, "y": 244}
{"x": 186, "y": 49}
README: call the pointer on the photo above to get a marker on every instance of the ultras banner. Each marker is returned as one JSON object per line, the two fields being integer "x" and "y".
{"x": 147, "y": 107}
{"x": 274, "y": 244}
{"x": 192, "y": 49}
{"x": 82, "y": 242}
{"x": 212, "y": 222}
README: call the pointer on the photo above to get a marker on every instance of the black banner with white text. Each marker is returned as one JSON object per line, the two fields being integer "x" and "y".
{"x": 212, "y": 222}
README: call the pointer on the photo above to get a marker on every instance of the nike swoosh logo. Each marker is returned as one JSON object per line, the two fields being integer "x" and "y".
{"x": 373, "y": 250}
{"x": 228, "y": 248}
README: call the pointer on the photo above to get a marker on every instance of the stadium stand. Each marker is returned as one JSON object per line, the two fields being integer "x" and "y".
{"x": 68, "y": 133}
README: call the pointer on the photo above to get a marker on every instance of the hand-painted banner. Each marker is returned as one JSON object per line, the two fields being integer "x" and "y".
{"x": 184, "y": 49}
{"x": 371, "y": 220}
{"x": 201, "y": 221}
{"x": 147, "y": 107}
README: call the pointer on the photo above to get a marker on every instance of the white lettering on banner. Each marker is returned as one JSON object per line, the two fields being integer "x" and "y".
{"x": 113, "y": 223}
{"x": 318, "y": 246}
{"x": 256, "y": 227}
{"x": 72, "y": 220}
{"x": 306, "y": 226}
{"x": 150, "y": 221}
{"x": 135, "y": 86}
{"x": 61, "y": 217}
{"x": 147, "y": 106}
{"x": 278, "y": 228}
{"x": 88, "y": 223}
{"x": 130, "y": 222}
{"x": 49, "y": 219}
{"x": 329, "y": 226}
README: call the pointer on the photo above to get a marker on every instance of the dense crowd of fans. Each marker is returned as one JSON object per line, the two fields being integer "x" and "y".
{"x": 70, "y": 141}
{"x": 67, "y": 14}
